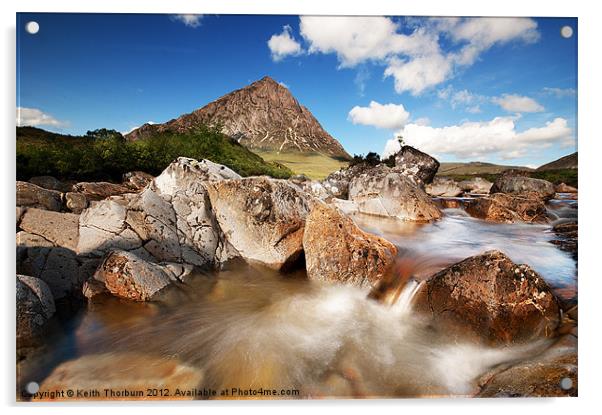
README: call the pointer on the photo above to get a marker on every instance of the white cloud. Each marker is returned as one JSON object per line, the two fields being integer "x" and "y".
{"x": 560, "y": 92}
{"x": 283, "y": 44}
{"x": 517, "y": 103}
{"x": 475, "y": 109}
{"x": 474, "y": 140}
{"x": 190, "y": 20}
{"x": 411, "y": 53}
{"x": 469, "y": 101}
{"x": 390, "y": 116}
{"x": 34, "y": 117}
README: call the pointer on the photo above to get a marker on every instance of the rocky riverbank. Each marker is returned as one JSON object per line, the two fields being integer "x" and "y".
{"x": 81, "y": 242}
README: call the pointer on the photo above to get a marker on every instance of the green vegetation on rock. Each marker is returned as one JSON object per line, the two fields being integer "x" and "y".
{"x": 106, "y": 154}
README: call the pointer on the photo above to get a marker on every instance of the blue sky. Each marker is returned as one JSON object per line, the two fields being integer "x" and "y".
{"x": 499, "y": 90}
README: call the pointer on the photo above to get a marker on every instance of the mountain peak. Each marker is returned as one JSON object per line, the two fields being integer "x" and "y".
{"x": 263, "y": 115}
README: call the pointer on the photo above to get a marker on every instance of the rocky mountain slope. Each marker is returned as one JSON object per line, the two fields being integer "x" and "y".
{"x": 263, "y": 115}
{"x": 566, "y": 162}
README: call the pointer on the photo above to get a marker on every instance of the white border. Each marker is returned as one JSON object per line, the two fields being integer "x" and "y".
{"x": 590, "y": 136}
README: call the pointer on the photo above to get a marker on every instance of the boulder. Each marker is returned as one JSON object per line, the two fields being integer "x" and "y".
{"x": 169, "y": 221}
{"x": 99, "y": 190}
{"x": 314, "y": 188}
{"x": 500, "y": 207}
{"x": 382, "y": 191}
{"x": 419, "y": 167}
{"x": 336, "y": 250}
{"x": 76, "y": 202}
{"x": 567, "y": 237}
{"x": 125, "y": 275}
{"x": 443, "y": 187}
{"x": 35, "y": 306}
{"x": 136, "y": 180}
{"x": 59, "y": 228}
{"x": 30, "y": 195}
{"x": 262, "y": 218}
{"x": 520, "y": 185}
{"x": 550, "y": 374}
{"x": 489, "y": 298}
{"x": 123, "y": 371}
{"x": 565, "y": 188}
{"x": 50, "y": 183}
{"x": 476, "y": 185}
{"x": 337, "y": 183}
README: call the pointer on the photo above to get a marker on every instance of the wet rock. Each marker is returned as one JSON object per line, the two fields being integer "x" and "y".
{"x": 520, "y": 185}
{"x": 123, "y": 371}
{"x": 35, "y": 306}
{"x": 76, "y": 202}
{"x": 419, "y": 167}
{"x": 336, "y": 250}
{"x": 262, "y": 218}
{"x": 136, "y": 180}
{"x": 30, "y": 195}
{"x": 500, "y": 207}
{"x": 443, "y": 187}
{"x": 382, "y": 191}
{"x": 59, "y": 228}
{"x": 553, "y": 373}
{"x": 50, "y": 183}
{"x": 99, "y": 190}
{"x": 337, "y": 183}
{"x": 565, "y": 188}
{"x": 490, "y": 298}
{"x": 476, "y": 185}
{"x": 567, "y": 237}
{"x": 125, "y": 275}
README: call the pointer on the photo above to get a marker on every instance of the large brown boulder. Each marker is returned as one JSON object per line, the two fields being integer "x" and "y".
{"x": 30, "y": 195}
{"x": 519, "y": 185}
{"x": 262, "y": 218}
{"x": 419, "y": 167}
{"x": 500, "y": 207}
{"x": 99, "y": 190}
{"x": 35, "y": 306}
{"x": 336, "y": 250}
{"x": 136, "y": 180}
{"x": 488, "y": 297}
{"x": 382, "y": 191}
{"x": 549, "y": 374}
{"x": 119, "y": 372}
{"x": 125, "y": 275}
{"x": 76, "y": 202}
{"x": 565, "y": 188}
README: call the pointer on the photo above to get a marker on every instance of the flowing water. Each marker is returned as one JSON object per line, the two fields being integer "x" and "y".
{"x": 249, "y": 327}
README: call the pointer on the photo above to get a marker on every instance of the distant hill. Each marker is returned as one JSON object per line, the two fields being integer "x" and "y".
{"x": 261, "y": 116}
{"x": 474, "y": 167}
{"x": 566, "y": 162}
{"x": 107, "y": 155}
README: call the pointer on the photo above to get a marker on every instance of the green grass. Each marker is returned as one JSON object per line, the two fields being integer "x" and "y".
{"x": 473, "y": 168}
{"x": 568, "y": 176}
{"x": 40, "y": 152}
{"x": 313, "y": 165}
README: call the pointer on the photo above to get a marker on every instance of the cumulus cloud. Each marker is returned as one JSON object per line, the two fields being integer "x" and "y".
{"x": 34, "y": 117}
{"x": 190, "y": 20}
{"x": 517, "y": 103}
{"x": 474, "y": 140}
{"x": 411, "y": 52}
{"x": 390, "y": 116}
{"x": 283, "y": 44}
{"x": 560, "y": 92}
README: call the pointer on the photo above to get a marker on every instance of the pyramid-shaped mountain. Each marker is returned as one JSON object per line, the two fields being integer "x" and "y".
{"x": 263, "y": 116}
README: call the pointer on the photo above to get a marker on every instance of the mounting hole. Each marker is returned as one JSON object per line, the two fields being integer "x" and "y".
{"x": 566, "y": 383}
{"x": 566, "y": 32}
{"x": 32, "y": 27}
{"x": 32, "y": 387}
